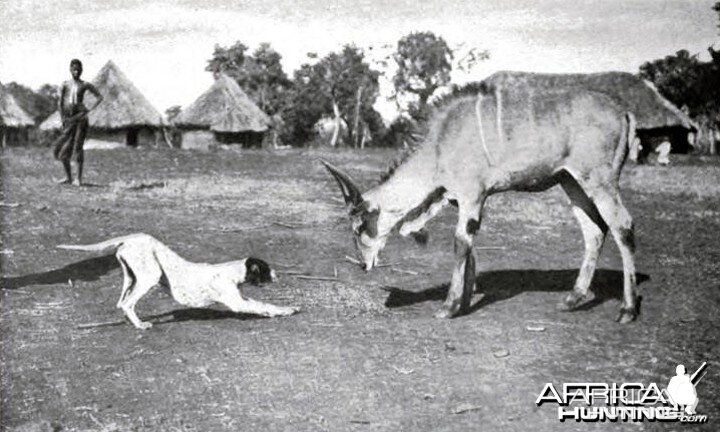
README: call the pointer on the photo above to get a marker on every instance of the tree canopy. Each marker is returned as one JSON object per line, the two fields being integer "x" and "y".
{"x": 259, "y": 74}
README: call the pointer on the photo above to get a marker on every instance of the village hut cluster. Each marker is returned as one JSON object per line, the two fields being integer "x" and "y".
{"x": 15, "y": 123}
{"x": 225, "y": 114}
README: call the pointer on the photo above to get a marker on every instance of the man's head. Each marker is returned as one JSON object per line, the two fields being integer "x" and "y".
{"x": 365, "y": 219}
{"x": 680, "y": 370}
{"x": 76, "y": 68}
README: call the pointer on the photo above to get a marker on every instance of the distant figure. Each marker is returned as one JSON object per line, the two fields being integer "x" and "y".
{"x": 682, "y": 390}
{"x": 663, "y": 151}
{"x": 73, "y": 114}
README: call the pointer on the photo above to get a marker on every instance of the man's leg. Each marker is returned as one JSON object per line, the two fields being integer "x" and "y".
{"x": 78, "y": 150}
{"x": 68, "y": 172}
{"x": 63, "y": 150}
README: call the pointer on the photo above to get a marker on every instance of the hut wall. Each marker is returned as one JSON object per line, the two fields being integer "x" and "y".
{"x": 12, "y": 136}
{"x": 146, "y": 136}
{"x": 104, "y": 138}
{"x": 677, "y": 136}
{"x": 244, "y": 139}
{"x": 198, "y": 139}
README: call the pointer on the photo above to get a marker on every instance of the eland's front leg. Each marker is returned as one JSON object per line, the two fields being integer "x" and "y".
{"x": 462, "y": 284}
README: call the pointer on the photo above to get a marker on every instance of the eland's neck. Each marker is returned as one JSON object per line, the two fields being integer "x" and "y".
{"x": 411, "y": 196}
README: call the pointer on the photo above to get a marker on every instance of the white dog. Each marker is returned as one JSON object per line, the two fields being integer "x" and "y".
{"x": 147, "y": 263}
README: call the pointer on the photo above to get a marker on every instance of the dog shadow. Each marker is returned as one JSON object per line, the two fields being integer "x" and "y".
{"x": 87, "y": 270}
{"x": 197, "y": 314}
{"x": 501, "y": 285}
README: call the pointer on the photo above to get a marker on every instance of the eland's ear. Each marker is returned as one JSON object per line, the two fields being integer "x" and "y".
{"x": 351, "y": 193}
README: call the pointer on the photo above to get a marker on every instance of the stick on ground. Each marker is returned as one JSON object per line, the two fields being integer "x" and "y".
{"x": 323, "y": 278}
{"x": 100, "y": 324}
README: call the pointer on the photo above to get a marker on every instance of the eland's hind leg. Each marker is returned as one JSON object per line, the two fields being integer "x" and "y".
{"x": 613, "y": 211}
{"x": 594, "y": 230}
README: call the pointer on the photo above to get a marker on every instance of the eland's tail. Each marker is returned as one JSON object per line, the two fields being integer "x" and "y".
{"x": 627, "y": 146}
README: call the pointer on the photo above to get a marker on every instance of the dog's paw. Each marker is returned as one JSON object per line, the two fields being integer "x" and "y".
{"x": 144, "y": 325}
{"x": 287, "y": 311}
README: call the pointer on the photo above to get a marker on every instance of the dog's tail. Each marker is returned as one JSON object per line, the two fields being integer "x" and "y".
{"x": 99, "y": 247}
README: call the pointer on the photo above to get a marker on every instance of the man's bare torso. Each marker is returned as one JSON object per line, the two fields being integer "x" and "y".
{"x": 73, "y": 94}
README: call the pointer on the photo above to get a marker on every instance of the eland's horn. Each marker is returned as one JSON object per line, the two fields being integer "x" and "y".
{"x": 349, "y": 189}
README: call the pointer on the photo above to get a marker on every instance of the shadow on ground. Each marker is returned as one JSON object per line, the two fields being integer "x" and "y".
{"x": 87, "y": 270}
{"x": 179, "y": 315}
{"x": 197, "y": 314}
{"x": 504, "y": 284}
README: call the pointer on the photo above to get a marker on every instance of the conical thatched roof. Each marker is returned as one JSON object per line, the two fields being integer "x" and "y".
{"x": 224, "y": 107}
{"x": 123, "y": 105}
{"x": 11, "y": 115}
{"x": 640, "y": 97}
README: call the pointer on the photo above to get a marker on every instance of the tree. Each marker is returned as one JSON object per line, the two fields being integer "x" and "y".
{"x": 38, "y": 104}
{"x": 260, "y": 75}
{"x": 172, "y": 112}
{"x": 424, "y": 64}
{"x": 341, "y": 86}
{"x": 677, "y": 77}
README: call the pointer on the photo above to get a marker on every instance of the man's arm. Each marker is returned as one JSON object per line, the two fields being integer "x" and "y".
{"x": 61, "y": 103}
{"x": 98, "y": 96}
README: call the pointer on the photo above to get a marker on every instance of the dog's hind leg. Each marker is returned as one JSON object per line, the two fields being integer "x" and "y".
{"x": 141, "y": 288}
{"x": 128, "y": 280}
{"x": 147, "y": 274}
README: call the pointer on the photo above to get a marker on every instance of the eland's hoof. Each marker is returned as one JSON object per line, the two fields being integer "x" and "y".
{"x": 627, "y": 315}
{"x": 574, "y": 300}
{"x": 445, "y": 313}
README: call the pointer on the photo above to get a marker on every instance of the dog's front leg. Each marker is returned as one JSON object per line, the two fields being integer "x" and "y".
{"x": 249, "y": 306}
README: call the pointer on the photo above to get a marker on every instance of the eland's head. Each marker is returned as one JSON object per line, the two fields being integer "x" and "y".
{"x": 365, "y": 218}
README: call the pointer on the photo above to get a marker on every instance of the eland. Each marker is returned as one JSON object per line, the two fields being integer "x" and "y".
{"x": 495, "y": 140}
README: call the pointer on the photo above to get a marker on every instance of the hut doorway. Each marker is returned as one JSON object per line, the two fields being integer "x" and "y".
{"x": 132, "y": 137}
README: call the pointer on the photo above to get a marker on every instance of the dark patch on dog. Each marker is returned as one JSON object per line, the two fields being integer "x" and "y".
{"x": 257, "y": 271}
{"x": 472, "y": 226}
{"x": 418, "y": 211}
{"x": 627, "y": 236}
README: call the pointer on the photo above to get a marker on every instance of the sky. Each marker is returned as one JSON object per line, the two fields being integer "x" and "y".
{"x": 163, "y": 46}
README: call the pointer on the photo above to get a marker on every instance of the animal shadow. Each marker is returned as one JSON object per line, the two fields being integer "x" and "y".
{"x": 504, "y": 284}
{"x": 87, "y": 270}
{"x": 198, "y": 314}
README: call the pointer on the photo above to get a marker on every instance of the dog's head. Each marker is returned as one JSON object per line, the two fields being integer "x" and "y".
{"x": 258, "y": 271}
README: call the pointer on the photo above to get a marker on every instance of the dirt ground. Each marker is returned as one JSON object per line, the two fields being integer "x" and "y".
{"x": 365, "y": 353}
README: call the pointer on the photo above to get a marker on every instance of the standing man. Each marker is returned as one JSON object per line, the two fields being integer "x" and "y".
{"x": 73, "y": 114}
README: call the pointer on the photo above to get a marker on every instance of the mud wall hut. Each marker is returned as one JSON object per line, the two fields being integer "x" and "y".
{"x": 657, "y": 118}
{"x": 125, "y": 116}
{"x": 223, "y": 114}
{"x": 15, "y": 123}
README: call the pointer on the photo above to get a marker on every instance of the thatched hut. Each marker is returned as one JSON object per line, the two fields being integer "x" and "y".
{"x": 657, "y": 118}
{"x": 14, "y": 121}
{"x": 224, "y": 114}
{"x": 125, "y": 116}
